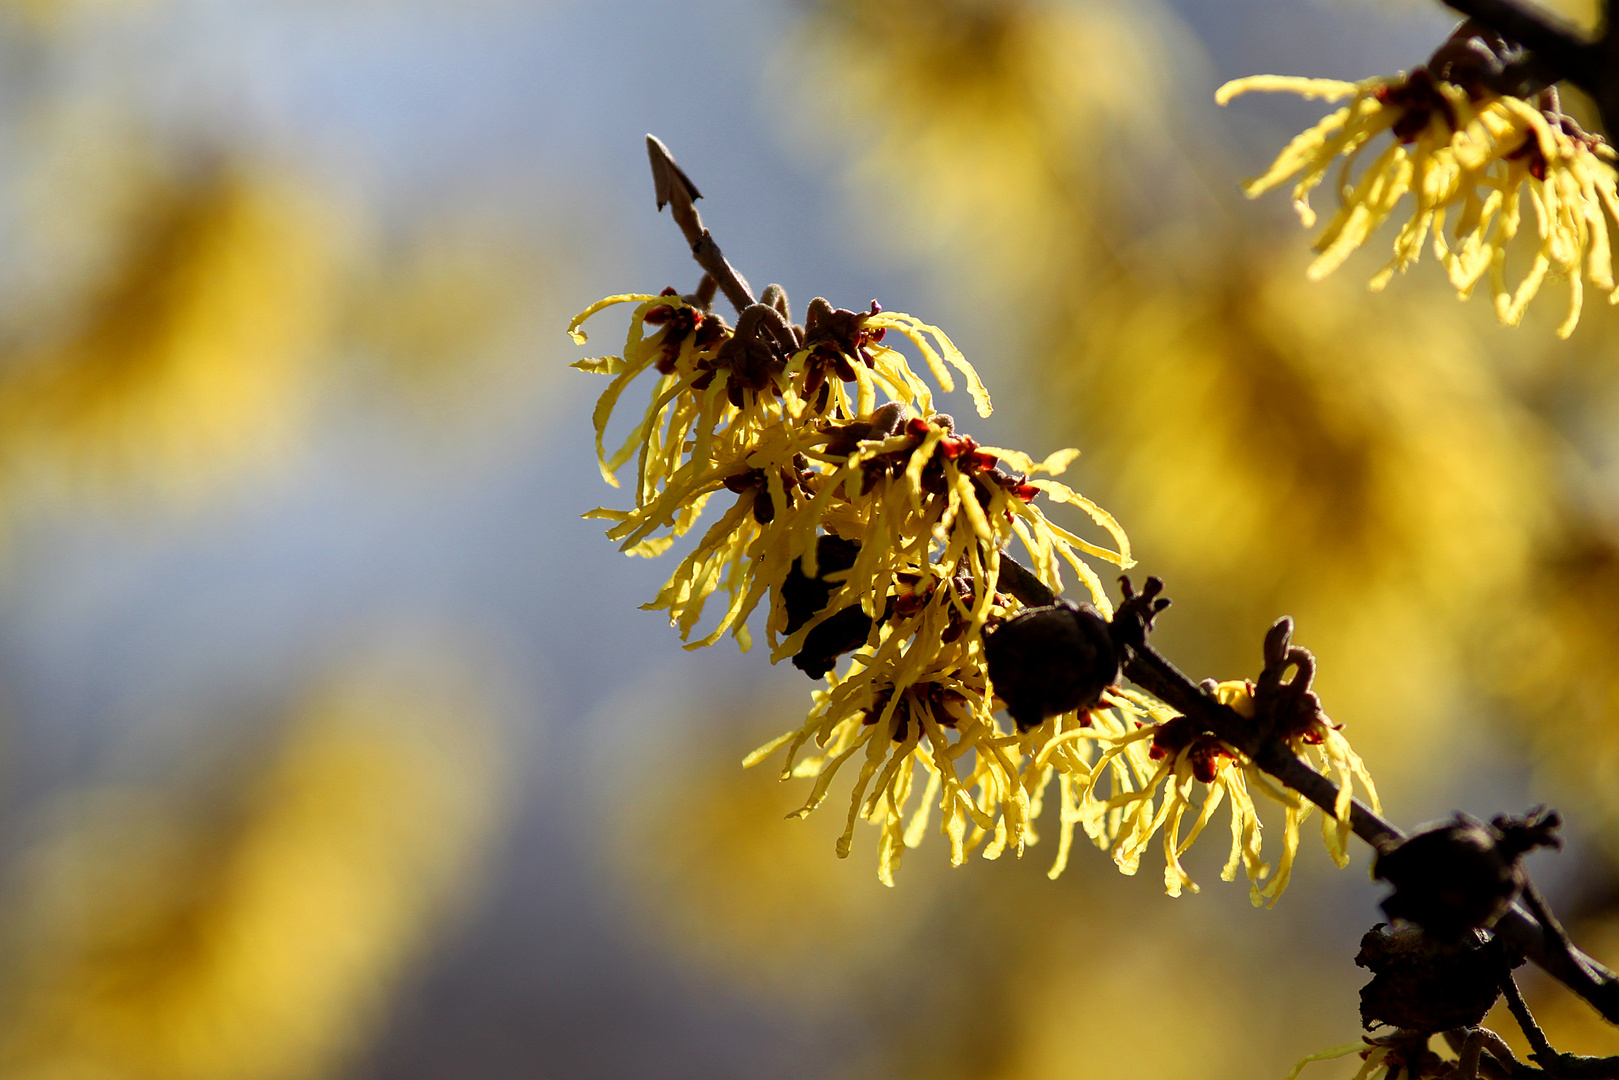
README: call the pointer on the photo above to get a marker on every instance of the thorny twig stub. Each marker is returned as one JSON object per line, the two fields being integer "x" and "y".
{"x": 674, "y": 188}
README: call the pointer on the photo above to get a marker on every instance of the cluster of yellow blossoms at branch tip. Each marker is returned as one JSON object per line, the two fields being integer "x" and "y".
{"x": 868, "y": 528}
{"x": 1465, "y": 156}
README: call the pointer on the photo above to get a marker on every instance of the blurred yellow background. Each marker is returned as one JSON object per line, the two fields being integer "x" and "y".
{"x": 333, "y": 743}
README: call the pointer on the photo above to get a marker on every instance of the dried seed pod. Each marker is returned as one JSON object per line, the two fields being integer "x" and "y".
{"x": 805, "y": 596}
{"x": 1463, "y": 875}
{"x": 840, "y": 633}
{"x": 1423, "y": 985}
{"x": 1448, "y": 880}
{"x": 1051, "y": 660}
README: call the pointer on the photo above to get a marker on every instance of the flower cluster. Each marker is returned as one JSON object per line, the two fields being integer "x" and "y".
{"x": 1465, "y": 154}
{"x": 875, "y": 537}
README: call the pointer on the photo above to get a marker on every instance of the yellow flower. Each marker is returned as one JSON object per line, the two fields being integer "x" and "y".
{"x": 682, "y": 349}
{"x": 1151, "y": 760}
{"x": 1323, "y": 747}
{"x": 727, "y": 416}
{"x": 917, "y": 708}
{"x": 719, "y": 386}
{"x": 1170, "y": 755}
{"x": 1453, "y": 149}
{"x": 926, "y": 495}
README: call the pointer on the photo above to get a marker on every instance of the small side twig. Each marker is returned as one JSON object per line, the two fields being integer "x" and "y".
{"x": 1560, "y": 948}
{"x": 1542, "y": 1047}
{"x": 675, "y": 189}
{"x": 1555, "y": 934}
{"x": 1483, "y": 1053}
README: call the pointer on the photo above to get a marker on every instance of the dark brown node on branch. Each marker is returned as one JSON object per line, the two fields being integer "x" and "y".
{"x": 1461, "y": 876}
{"x": 1422, "y": 985}
{"x": 1050, "y": 661}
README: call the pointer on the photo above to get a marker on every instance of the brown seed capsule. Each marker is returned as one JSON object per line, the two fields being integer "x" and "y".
{"x": 806, "y": 596}
{"x": 840, "y": 633}
{"x": 1461, "y": 876}
{"x": 1051, "y": 660}
{"x": 1422, "y": 985}
{"x": 1448, "y": 880}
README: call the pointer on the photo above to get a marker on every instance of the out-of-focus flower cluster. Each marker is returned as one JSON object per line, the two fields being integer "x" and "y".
{"x": 879, "y": 531}
{"x": 1466, "y": 154}
{"x": 971, "y": 122}
{"x": 252, "y": 930}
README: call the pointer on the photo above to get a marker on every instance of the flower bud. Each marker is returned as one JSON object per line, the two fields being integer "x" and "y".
{"x": 1051, "y": 660}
